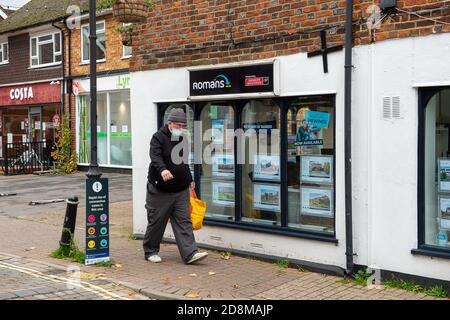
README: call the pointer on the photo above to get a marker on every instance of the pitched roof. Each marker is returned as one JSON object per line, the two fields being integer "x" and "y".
{"x": 7, "y": 11}
{"x": 37, "y": 12}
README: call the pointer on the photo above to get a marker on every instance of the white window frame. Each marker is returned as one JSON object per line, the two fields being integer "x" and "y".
{"x": 38, "y": 43}
{"x": 86, "y": 61}
{"x": 2, "y": 51}
{"x": 108, "y": 129}
{"x": 123, "y": 52}
{"x": 126, "y": 56}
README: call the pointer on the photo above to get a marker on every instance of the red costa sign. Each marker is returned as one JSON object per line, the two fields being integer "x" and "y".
{"x": 37, "y": 93}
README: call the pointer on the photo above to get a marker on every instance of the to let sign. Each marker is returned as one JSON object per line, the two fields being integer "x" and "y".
{"x": 97, "y": 221}
{"x": 233, "y": 80}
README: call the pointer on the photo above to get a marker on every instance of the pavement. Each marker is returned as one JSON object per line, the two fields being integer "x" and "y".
{"x": 25, "y": 279}
{"x": 28, "y": 239}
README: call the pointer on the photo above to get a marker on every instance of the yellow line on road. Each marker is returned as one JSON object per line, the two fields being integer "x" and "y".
{"x": 81, "y": 284}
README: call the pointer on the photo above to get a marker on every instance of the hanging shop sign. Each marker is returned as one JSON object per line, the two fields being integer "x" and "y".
{"x": 97, "y": 221}
{"x": 30, "y": 94}
{"x": 234, "y": 80}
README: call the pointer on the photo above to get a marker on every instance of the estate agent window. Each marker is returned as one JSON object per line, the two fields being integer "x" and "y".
{"x": 46, "y": 50}
{"x": 4, "y": 55}
{"x": 284, "y": 185}
{"x": 101, "y": 42}
{"x": 434, "y": 223}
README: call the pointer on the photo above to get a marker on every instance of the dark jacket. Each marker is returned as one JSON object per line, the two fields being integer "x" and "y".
{"x": 160, "y": 154}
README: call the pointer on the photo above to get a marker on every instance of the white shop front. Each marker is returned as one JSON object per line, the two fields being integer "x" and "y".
{"x": 114, "y": 127}
{"x": 291, "y": 204}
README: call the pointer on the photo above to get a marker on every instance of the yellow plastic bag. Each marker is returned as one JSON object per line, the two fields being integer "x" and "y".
{"x": 198, "y": 210}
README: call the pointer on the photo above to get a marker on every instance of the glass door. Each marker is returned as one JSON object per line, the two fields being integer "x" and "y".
{"x": 35, "y": 132}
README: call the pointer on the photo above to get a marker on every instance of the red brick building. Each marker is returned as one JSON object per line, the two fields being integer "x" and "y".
{"x": 31, "y": 79}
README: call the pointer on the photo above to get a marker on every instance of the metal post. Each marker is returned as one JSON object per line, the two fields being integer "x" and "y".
{"x": 93, "y": 166}
{"x": 69, "y": 221}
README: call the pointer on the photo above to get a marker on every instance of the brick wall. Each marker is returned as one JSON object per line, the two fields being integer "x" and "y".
{"x": 17, "y": 70}
{"x": 114, "y": 61}
{"x": 196, "y": 32}
{"x": 114, "y": 49}
{"x": 401, "y": 24}
{"x": 182, "y": 33}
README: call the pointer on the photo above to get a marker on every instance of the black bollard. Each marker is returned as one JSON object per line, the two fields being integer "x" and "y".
{"x": 69, "y": 221}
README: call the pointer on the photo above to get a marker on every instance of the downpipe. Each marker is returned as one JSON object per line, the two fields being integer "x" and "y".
{"x": 348, "y": 138}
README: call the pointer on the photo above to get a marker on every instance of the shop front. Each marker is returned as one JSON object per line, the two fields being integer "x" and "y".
{"x": 29, "y": 114}
{"x": 113, "y": 121}
{"x": 265, "y": 151}
{"x": 279, "y": 192}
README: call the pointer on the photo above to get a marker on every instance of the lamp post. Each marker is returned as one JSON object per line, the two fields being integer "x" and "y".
{"x": 94, "y": 171}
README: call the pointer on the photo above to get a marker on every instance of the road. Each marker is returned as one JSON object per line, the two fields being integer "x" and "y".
{"x": 49, "y": 187}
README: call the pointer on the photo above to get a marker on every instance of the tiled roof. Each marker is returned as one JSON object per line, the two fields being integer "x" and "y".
{"x": 37, "y": 12}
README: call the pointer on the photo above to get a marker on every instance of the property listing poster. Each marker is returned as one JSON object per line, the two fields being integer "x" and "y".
{"x": 223, "y": 193}
{"x": 444, "y": 208}
{"x": 316, "y": 201}
{"x": 444, "y": 175}
{"x": 218, "y": 131}
{"x": 318, "y": 169}
{"x": 266, "y": 197}
{"x": 266, "y": 167}
{"x": 223, "y": 165}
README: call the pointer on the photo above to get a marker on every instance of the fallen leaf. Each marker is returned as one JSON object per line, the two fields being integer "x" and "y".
{"x": 29, "y": 249}
{"x": 90, "y": 275}
{"x": 225, "y": 255}
{"x": 236, "y": 286}
{"x": 118, "y": 265}
{"x": 193, "y": 275}
{"x": 192, "y": 295}
{"x": 211, "y": 273}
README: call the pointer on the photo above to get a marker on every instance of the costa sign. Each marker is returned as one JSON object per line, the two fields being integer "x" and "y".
{"x": 21, "y": 93}
{"x": 38, "y": 93}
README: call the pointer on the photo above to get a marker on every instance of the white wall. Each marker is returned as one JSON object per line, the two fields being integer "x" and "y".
{"x": 299, "y": 76}
{"x": 385, "y": 69}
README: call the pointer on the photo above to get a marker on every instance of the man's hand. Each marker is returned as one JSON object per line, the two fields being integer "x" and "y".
{"x": 166, "y": 175}
{"x": 192, "y": 186}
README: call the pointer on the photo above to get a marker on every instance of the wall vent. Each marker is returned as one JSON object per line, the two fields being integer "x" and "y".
{"x": 392, "y": 108}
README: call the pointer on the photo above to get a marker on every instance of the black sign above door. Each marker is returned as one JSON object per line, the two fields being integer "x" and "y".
{"x": 235, "y": 80}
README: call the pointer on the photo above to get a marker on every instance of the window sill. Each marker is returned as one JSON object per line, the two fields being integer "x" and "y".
{"x": 4, "y": 63}
{"x": 85, "y": 63}
{"x": 432, "y": 252}
{"x": 272, "y": 230}
{"x": 41, "y": 66}
{"x": 126, "y": 57}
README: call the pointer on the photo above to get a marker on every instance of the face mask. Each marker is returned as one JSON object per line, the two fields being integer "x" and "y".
{"x": 177, "y": 132}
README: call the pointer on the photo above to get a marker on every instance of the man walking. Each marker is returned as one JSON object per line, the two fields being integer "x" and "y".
{"x": 168, "y": 193}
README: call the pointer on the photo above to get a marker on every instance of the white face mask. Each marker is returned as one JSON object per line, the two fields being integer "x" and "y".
{"x": 177, "y": 132}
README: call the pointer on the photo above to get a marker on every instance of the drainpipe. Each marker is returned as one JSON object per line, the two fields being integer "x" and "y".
{"x": 62, "y": 58}
{"x": 348, "y": 138}
{"x": 69, "y": 69}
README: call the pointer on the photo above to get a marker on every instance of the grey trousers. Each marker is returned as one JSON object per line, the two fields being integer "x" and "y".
{"x": 160, "y": 207}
